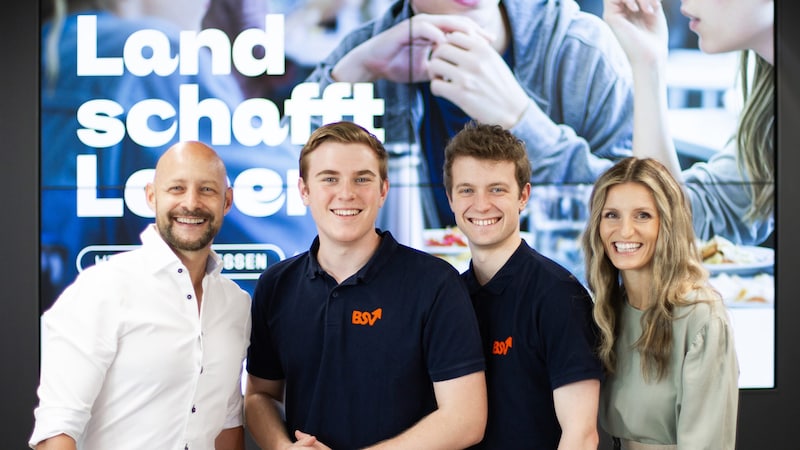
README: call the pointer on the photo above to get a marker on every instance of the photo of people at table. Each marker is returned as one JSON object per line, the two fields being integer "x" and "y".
{"x": 582, "y": 84}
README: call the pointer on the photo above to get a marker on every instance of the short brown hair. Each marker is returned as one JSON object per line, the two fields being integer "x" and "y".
{"x": 345, "y": 133}
{"x": 487, "y": 142}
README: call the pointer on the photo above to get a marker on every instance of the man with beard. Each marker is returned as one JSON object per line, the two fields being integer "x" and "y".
{"x": 145, "y": 350}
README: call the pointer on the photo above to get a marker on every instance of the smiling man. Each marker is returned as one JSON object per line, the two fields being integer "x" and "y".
{"x": 146, "y": 350}
{"x": 366, "y": 343}
{"x": 535, "y": 318}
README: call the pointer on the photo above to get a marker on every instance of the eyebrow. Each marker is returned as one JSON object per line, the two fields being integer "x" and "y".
{"x": 336, "y": 172}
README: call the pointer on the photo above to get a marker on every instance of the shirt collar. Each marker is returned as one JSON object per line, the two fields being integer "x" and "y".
{"x": 371, "y": 269}
{"x": 503, "y": 278}
{"x": 161, "y": 256}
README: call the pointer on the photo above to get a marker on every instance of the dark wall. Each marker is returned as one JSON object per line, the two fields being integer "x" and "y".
{"x": 19, "y": 310}
{"x": 766, "y": 419}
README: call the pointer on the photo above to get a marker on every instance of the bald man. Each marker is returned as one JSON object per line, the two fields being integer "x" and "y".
{"x": 145, "y": 350}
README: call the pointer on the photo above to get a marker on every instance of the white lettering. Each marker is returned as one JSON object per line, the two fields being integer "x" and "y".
{"x": 161, "y": 62}
{"x": 135, "y": 195}
{"x": 139, "y": 116}
{"x": 192, "y": 109}
{"x": 88, "y": 62}
{"x": 339, "y": 100}
{"x": 253, "y": 122}
{"x": 258, "y": 192}
{"x": 150, "y": 51}
{"x": 268, "y": 129}
{"x": 273, "y": 62}
{"x": 212, "y": 38}
{"x": 101, "y": 128}
{"x": 88, "y": 203}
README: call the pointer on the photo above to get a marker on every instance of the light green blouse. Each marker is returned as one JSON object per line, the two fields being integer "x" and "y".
{"x": 695, "y": 405}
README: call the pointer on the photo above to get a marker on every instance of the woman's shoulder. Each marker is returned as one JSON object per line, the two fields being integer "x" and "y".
{"x": 702, "y": 306}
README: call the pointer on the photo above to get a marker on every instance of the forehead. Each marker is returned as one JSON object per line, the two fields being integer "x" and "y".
{"x": 186, "y": 167}
{"x": 483, "y": 170}
{"x": 629, "y": 195}
{"x": 342, "y": 157}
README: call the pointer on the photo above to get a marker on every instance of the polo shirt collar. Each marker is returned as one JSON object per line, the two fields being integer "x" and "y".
{"x": 369, "y": 271}
{"x": 503, "y": 278}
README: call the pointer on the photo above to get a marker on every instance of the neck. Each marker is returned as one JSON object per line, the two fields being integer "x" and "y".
{"x": 341, "y": 261}
{"x": 637, "y": 288}
{"x": 487, "y": 261}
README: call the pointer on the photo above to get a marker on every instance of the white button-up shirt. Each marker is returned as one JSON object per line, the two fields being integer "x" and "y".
{"x": 128, "y": 363}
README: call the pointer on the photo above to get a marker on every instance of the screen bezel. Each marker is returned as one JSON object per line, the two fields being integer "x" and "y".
{"x": 761, "y": 424}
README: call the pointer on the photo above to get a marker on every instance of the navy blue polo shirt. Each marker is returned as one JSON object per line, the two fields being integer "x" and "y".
{"x": 538, "y": 334}
{"x": 359, "y": 358}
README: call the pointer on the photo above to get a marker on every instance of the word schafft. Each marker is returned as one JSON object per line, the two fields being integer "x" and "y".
{"x": 253, "y": 122}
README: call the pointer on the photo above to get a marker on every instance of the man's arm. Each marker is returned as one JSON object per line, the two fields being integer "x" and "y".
{"x": 230, "y": 439}
{"x": 59, "y": 442}
{"x": 262, "y": 411}
{"x": 576, "y": 407}
{"x": 459, "y": 421}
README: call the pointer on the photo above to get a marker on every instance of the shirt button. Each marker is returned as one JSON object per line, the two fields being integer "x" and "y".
{"x": 335, "y": 294}
{"x": 189, "y": 297}
{"x": 180, "y": 270}
{"x": 194, "y": 409}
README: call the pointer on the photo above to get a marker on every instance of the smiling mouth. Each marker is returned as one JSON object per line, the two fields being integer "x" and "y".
{"x": 484, "y": 222}
{"x": 346, "y": 212}
{"x": 190, "y": 220}
{"x": 627, "y": 247}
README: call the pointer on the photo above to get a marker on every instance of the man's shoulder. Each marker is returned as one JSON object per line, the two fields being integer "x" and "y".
{"x": 292, "y": 266}
{"x": 544, "y": 272}
{"x": 420, "y": 261}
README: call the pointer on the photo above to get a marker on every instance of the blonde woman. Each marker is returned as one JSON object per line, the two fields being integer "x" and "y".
{"x": 733, "y": 193}
{"x": 666, "y": 341}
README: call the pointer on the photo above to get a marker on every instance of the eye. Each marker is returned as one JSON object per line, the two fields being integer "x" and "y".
{"x": 175, "y": 189}
{"x": 465, "y": 191}
{"x": 329, "y": 180}
{"x": 362, "y": 180}
{"x": 644, "y": 215}
{"x": 610, "y": 215}
{"x": 497, "y": 190}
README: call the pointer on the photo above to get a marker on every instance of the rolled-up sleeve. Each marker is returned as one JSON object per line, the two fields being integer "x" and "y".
{"x": 78, "y": 344}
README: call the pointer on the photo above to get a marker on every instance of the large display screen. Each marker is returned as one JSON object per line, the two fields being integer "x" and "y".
{"x": 116, "y": 91}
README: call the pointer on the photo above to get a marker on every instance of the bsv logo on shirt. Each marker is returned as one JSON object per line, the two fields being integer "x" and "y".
{"x": 367, "y": 318}
{"x": 501, "y": 347}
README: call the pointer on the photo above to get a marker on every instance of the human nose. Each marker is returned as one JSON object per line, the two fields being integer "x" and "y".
{"x": 626, "y": 227}
{"x": 482, "y": 202}
{"x": 191, "y": 199}
{"x": 347, "y": 190}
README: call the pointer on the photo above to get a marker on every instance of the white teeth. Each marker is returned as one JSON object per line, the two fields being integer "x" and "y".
{"x": 484, "y": 222}
{"x": 190, "y": 220}
{"x": 345, "y": 212}
{"x": 626, "y": 246}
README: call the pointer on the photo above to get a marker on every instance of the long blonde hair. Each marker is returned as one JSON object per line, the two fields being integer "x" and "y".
{"x": 755, "y": 135}
{"x": 677, "y": 267}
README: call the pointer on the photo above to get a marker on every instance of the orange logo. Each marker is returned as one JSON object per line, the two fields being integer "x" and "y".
{"x": 367, "y": 318}
{"x": 501, "y": 347}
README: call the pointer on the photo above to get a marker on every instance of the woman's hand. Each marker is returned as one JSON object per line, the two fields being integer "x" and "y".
{"x": 641, "y": 29}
